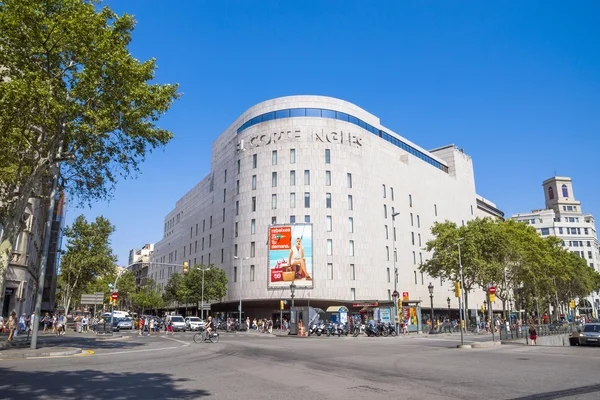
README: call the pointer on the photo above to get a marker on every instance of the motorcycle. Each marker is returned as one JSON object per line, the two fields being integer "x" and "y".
{"x": 321, "y": 329}
{"x": 371, "y": 330}
{"x": 342, "y": 329}
{"x": 383, "y": 330}
{"x": 391, "y": 329}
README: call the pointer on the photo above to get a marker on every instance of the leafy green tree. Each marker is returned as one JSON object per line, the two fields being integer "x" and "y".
{"x": 125, "y": 285}
{"x": 149, "y": 298}
{"x": 215, "y": 284}
{"x": 74, "y": 103}
{"x": 88, "y": 256}
{"x": 175, "y": 290}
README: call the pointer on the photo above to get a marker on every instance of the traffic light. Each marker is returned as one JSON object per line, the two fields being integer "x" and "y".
{"x": 185, "y": 267}
{"x": 572, "y": 303}
{"x": 492, "y": 297}
{"x": 456, "y": 289}
{"x": 481, "y": 309}
{"x": 281, "y": 305}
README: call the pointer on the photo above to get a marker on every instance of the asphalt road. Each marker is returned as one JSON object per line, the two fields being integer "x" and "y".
{"x": 254, "y": 366}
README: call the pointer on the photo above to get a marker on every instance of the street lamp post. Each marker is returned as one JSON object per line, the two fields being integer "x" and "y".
{"x": 292, "y": 290}
{"x": 448, "y": 300}
{"x": 241, "y": 269}
{"x": 202, "y": 299}
{"x": 112, "y": 307}
{"x": 430, "y": 287}
{"x": 394, "y": 215}
{"x": 460, "y": 299}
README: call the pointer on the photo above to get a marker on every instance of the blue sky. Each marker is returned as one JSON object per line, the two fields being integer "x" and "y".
{"x": 516, "y": 84}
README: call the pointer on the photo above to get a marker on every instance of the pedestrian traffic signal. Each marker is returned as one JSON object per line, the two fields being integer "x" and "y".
{"x": 185, "y": 266}
{"x": 281, "y": 304}
{"x": 456, "y": 289}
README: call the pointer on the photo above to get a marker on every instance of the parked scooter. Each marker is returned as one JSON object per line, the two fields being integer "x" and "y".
{"x": 371, "y": 330}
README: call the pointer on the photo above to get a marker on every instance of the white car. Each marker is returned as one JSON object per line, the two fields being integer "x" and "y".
{"x": 194, "y": 323}
{"x": 177, "y": 322}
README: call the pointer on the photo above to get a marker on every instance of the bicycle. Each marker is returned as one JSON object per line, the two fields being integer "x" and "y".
{"x": 201, "y": 336}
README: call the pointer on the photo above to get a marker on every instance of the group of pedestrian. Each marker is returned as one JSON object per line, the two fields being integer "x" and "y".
{"x": 150, "y": 326}
{"x": 263, "y": 325}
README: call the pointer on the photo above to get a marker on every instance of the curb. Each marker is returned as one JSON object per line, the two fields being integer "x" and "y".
{"x": 40, "y": 354}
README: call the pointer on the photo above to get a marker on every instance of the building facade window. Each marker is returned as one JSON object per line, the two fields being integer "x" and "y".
{"x": 235, "y": 274}
{"x": 349, "y": 180}
{"x": 410, "y": 200}
{"x": 237, "y": 187}
{"x": 328, "y": 223}
{"x": 384, "y": 191}
{"x": 387, "y": 253}
{"x": 350, "y": 224}
{"x": 292, "y": 156}
{"x": 389, "y": 276}
{"x": 327, "y": 156}
{"x": 352, "y": 272}
{"x": 327, "y": 178}
{"x": 292, "y": 178}
{"x": 351, "y": 248}
{"x": 253, "y": 182}
{"x": 252, "y": 226}
{"x": 236, "y": 229}
{"x": 392, "y": 193}
{"x": 387, "y": 235}
{"x": 545, "y": 231}
{"x": 253, "y": 204}
{"x": 384, "y": 211}
{"x": 419, "y": 240}
{"x": 327, "y": 200}
{"x": 307, "y": 219}
{"x": 239, "y": 166}
{"x": 412, "y": 237}
{"x": 435, "y": 209}
{"x": 411, "y": 220}
{"x": 329, "y": 247}
{"x": 306, "y": 199}
{"x": 418, "y": 222}
{"x": 352, "y": 293}
{"x": 273, "y": 179}
{"x": 307, "y": 177}
{"x": 273, "y": 201}
{"x": 252, "y": 249}
{"x": 292, "y": 200}
{"x": 350, "y": 203}
{"x": 252, "y": 273}
{"x": 274, "y": 157}
{"x": 237, "y": 207}
{"x": 551, "y": 193}
{"x": 565, "y": 191}
{"x": 254, "y": 160}
{"x": 292, "y": 219}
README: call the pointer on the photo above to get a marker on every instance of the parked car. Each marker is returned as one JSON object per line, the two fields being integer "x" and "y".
{"x": 178, "y": 322}
{"x": 122, "y": 323}
{"x": 194, "y": 323}
{"x": 589, "y": 335}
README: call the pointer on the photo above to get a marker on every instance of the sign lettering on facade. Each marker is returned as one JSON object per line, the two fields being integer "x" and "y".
{"x": 321, "y": 136}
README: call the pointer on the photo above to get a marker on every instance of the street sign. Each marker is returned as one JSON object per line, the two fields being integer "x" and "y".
{"x": 395, "y": 294}
{"x": 492, "y": 289}
{"x": 114, "y": 296}
{"x": 95, "y": 298}
{"x": 405, "y": 296}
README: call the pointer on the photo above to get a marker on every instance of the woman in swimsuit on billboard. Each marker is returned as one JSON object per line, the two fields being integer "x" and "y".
{"x": 297, "y": 258}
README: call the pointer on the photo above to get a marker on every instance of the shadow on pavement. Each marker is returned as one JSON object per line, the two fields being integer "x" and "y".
{"x": 90, "y": 384}
{"x": 85, "y": 342}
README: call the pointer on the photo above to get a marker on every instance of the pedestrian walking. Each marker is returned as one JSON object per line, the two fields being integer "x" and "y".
{"x": 169, "y": 327}
{"x": 141, "y": 326}
{"x": 12, "y": 326}
{"x": 151, "y": 330}
{"x": 533, "y": 334}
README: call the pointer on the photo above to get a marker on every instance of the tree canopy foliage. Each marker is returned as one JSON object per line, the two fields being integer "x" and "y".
{"x": 187, "y": 288}
{"x": 87, "y": 258}
{"x": 521, "y": 264}
{"x": 73, "y": 102}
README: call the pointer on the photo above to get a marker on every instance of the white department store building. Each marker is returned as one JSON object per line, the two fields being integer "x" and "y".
{"x": 329, "y": 163}
{"x": 564, "y": 218}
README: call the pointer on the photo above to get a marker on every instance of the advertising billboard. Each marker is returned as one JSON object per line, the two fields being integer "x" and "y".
{"x": 290, "y": 256}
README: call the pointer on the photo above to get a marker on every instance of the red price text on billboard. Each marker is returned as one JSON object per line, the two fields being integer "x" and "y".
{"x": 280, "y": 238}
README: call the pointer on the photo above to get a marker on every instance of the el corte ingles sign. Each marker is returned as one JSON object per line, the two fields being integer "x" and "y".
{"x": 268, "y": 139}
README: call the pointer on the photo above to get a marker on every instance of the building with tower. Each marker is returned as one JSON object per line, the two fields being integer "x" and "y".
{"x": 564, "y": 218}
